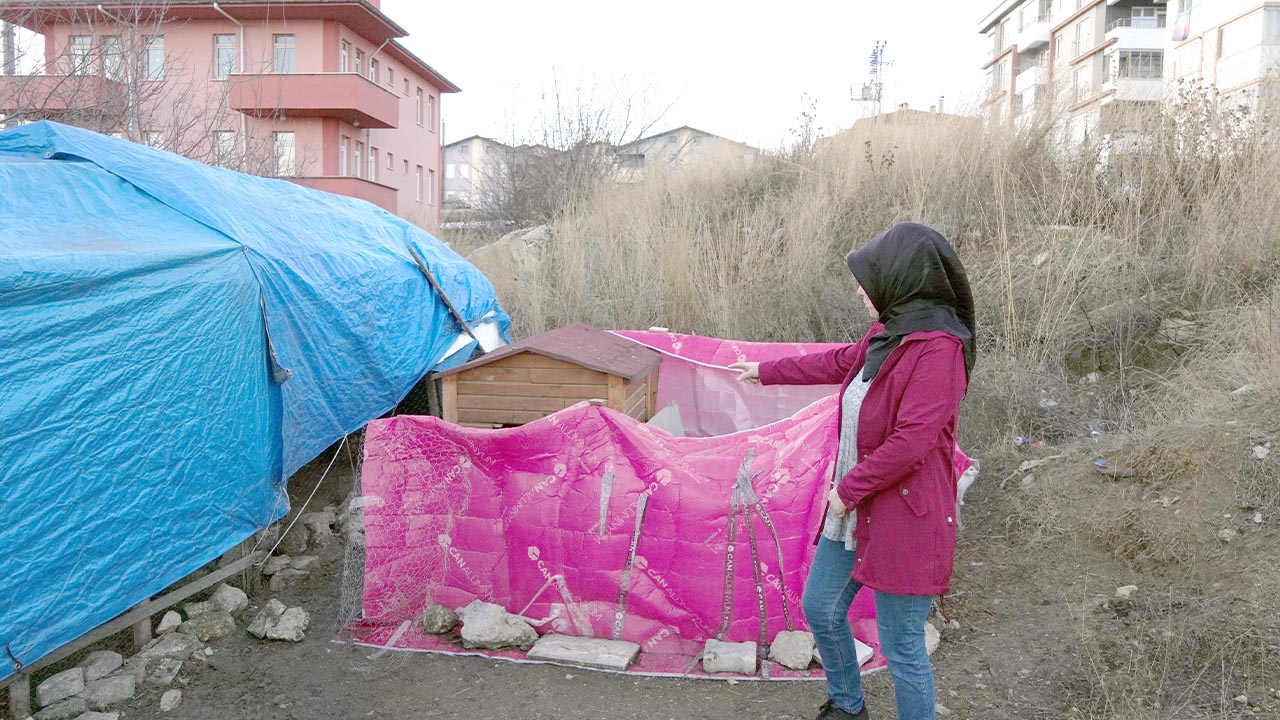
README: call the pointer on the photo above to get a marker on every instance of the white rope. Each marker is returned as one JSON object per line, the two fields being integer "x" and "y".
{"x": 319, "y": 482}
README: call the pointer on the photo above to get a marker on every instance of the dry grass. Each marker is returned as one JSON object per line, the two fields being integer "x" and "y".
{"x": 1132, "y": 298}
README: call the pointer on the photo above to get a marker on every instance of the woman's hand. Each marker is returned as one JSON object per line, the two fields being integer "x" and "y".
{"x": 749, "y": 371}
{"x": 837, "y": 505}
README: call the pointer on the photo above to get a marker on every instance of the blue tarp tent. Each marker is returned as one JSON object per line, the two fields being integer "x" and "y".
{"x": 175, "y": 341}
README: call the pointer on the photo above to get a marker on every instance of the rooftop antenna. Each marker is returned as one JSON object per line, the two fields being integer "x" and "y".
{"x": 873, "y": 88}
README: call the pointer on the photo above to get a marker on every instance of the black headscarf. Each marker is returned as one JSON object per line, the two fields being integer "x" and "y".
{"x": 916, "y": 282}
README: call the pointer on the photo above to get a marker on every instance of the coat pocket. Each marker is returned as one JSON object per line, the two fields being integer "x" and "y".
{"x": 916, "y": 501}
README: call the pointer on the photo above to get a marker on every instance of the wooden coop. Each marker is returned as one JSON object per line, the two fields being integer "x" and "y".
{"x": 535, "y": 377}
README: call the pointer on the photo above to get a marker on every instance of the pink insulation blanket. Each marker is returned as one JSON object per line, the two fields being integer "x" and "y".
{"x": 596, "y": 524}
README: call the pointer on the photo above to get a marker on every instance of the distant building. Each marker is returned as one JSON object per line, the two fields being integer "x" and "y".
{"x": 317, "y": 91}
{"x": 1083, "y": 66}
{"x": 677, "y": 149}
{"x": 1231, "y": 45}
{"x": 481, "y": 173}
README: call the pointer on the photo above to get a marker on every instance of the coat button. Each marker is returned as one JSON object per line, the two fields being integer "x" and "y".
{"x": 905, "y": 491}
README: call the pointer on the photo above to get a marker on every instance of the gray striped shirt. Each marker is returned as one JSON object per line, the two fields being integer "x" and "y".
{"x": 840, "y": 529}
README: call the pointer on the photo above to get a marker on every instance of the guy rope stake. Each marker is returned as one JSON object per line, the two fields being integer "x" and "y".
{"x": 422, "y": 265}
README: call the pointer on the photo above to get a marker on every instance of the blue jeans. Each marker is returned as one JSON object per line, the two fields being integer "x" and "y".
{"x": 828, "y": 593}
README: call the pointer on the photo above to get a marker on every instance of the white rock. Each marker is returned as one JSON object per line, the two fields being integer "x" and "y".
{"x": 941, "y": 710}
{"x": 438, "y": 619}
{"x": 72, "y": 707}
{"x": 931, "y": 639}
{"x": 135, "y": 667}
{"x": 287, "y": 578}
{"x": 266, "y": 618}
{"x": 60, "y": 687}
{"x": 1244, "y": 389}
{"x": 164, "y": 672}
{"x": 213, "y": 625}
{"x": 291, "y": 626}
{"x": 792, "y": 648}
{"x": 193, "y": 609}
{"x": 230, "y": 598}
{"x": 1242, "y": 699}
{"x": 107, "y": 691}
{"x": 1257, "y": 518}
{"x": 1227, "y": 535}
{"x": 726, "y": 657}
{"x": 1124, "y": 591}
{"x": 99, "y": 716}
{"x": 275, "y": 564}
{"x": 168, "y": 623}
{"x": 295, "y": 541}
{"x": 1261, "y": 452}
{"x": 303, "y": 562}
{"x": 485, "y": 625}
{"x": 101, "y": 663}
{"x": 321, "y": 526}
{"x": 170, "y": 699}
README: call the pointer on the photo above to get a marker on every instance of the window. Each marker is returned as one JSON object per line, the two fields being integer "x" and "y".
{"x": 1083, "y": 82}
{"x": 373, "y": 164}
{"x": 112, "y": 57}
{"x": 1141, "y": 64}
{"x": 406, "y": 167}
{"x": 391, "y": 162}
{"x": 359, "y": 158}
{"x": 155, "y": 57}
{"x": 406, "y": 87}
{"x": 286, "y": 53}
{"x": 431, "y": 113}
{"x": 448, "y": 171}
{"x": 373, "y": 70}
{"x": 391, "y": 77}
{"x": 999, "y": 76}
{"x": 431, "y": 187}
{"x": 344, "y": 57}
{"x": 224, "y": 148}
{"x": 359, "y": 62}
{"x": 153, "y": 138}
{"x": 418, "y": 183}
{"x": 1057, "y": 46}
{"x": 79, "y": 53}
{"x": 1147, "y": 17}
{"x": 285, "y": 160}
{"x": 465, "y": 149}
{"x": 417, "y": 107}
{"x": 224, "y": 56}
{"x": 344, "y": 154}
{"x": 631, "y": 160}
{"x": 1084, "y": 38}
{"x": 465, "y": 171}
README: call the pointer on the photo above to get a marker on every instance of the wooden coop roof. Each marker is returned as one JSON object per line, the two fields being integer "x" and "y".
{"x": 581, "y": 344}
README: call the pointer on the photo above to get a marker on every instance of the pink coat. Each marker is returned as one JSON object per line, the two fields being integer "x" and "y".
{"x": 904, "y": 485}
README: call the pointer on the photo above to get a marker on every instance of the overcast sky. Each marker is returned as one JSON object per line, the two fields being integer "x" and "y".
{"x": 738, "y": 69}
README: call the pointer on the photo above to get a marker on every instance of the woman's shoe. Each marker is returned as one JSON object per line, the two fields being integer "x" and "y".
{"x": 829, "y": 711}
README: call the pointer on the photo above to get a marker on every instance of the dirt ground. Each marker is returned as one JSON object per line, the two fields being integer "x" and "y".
{"x": 1038, "y": 634}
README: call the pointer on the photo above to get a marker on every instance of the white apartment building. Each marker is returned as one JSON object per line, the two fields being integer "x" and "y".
{"x": 1083, "y": 66}
{"x": 1230, "y": 45}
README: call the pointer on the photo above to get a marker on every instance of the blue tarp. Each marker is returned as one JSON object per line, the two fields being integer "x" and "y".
{"x": 151, "y": 309}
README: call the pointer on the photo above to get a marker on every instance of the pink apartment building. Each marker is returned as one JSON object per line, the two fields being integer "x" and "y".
{"x": 318, "y": 91}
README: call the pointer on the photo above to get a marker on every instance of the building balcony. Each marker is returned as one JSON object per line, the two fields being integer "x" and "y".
{"x": 52, "y": 97}
{"x": 1036, "y": 75}
{"x": 1137, "y": 33}
{"x": 1034, "y": 34}
{"x": 384, "y": 196}
{"x": 1134, "y": 89}
{"x": 346, "y": 96}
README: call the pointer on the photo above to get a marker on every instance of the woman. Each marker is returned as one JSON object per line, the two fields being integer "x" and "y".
{"x": 890, "y": 523}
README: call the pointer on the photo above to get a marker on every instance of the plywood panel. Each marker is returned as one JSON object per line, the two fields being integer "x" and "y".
{"x": 617, "y": 393}
{"x": 449, "y": 399}
{"x": 498, "y": 417}
{"x": 569, "y": 375}
{"x": 531, "y": 390}
{"x": 508, "y": 402}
